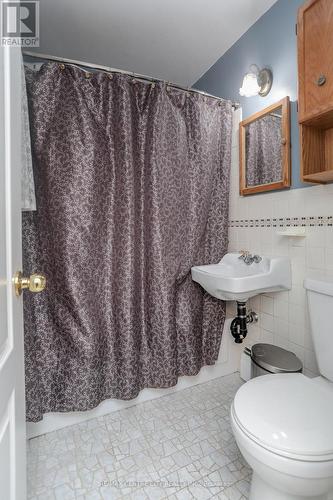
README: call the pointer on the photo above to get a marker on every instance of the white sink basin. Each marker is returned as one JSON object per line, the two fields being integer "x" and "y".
{"x": 232, "y": 279}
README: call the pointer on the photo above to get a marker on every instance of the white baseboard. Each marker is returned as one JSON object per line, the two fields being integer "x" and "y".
{"x": 228, "y": 362}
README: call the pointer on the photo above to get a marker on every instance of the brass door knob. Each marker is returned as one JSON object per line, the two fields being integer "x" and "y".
{"x": 36, "y": 283}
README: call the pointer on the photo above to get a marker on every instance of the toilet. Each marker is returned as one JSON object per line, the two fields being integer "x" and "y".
{"x": 283, "y": 423}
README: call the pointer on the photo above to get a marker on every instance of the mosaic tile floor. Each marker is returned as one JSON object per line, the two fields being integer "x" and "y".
{"x": 177, "y": 447}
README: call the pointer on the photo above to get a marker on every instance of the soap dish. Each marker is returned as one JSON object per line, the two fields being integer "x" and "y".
{"x": 292, "y": 231}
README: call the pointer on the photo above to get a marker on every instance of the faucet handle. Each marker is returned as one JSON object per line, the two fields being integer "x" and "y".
{"x": 243, "y": 253}
{"x": 257, "y": 259}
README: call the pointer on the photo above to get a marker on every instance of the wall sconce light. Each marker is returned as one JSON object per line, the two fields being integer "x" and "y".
{"x": 256, "y": 82}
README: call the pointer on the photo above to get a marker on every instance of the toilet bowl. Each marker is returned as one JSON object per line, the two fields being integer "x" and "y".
{"x": 283, "y": 427}
{"x": 283, "y": 423}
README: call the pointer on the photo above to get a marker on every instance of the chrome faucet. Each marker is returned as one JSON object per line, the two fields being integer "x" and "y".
{"x": 248, "y": 258}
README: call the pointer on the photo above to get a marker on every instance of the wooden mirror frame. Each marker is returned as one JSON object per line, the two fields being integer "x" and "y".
{"x": 286, "y": 144}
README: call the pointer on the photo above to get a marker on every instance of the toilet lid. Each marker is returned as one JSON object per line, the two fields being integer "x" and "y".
{"x": 289, "y": 414}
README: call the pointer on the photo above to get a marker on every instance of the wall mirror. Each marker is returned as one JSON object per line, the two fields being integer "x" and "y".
{"x": 265, "y": 149}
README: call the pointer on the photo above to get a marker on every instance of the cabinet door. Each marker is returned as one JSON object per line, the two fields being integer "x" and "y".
{"x": 315, "y": 58}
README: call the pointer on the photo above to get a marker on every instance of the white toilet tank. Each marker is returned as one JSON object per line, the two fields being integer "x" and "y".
{"x": 320, "y": 301}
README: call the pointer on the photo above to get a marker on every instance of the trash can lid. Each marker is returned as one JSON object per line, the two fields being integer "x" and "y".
{"x": 275, "y": 359}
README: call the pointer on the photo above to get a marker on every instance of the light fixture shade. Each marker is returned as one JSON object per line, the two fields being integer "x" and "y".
{"x": 250, "y": 85}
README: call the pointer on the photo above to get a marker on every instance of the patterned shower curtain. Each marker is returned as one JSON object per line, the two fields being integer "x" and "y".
{"x": 132, "y": 185}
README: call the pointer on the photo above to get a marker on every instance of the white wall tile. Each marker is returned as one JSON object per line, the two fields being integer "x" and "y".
{"x": 296, "y": 315}
{"x": 281, "y": 327}
{"x": 297, "y": 254}
{"x": 280, "y": 208}
{"x": 267, "y": 322}
{"x": 298, "y": 272}
{"x": 297, "y": 334}
{"x": 315, "y": 258}
{"x": 255, "y": 303}
{"x": 267, "y": 337}
{"x": 297, "y": 295}
{"x": 280, "y": 245}
{"x": 281, "y": 342}
{"x": 329, "y": 258}
{"x": 316, "y": 236}
{"x": 296, "y": 202}
{"x": 267, "y": 304}
{"x": 281, "y": 309}
{"x": 329, "y": 237}
{"x": 283, "y": 317}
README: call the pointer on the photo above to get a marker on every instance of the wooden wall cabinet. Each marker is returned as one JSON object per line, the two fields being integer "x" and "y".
{"x": 315, "y": 89}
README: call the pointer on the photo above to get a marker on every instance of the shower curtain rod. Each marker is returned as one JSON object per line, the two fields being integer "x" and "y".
{"x": 38, "y": 55}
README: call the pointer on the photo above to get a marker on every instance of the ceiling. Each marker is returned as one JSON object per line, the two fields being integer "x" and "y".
{"x": 175, "y": 40}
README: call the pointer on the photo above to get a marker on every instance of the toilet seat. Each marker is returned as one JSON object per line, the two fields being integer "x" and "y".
{"x": 288, "y": 414}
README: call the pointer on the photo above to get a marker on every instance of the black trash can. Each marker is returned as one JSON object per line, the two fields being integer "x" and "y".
{"x": 268, "y": 358}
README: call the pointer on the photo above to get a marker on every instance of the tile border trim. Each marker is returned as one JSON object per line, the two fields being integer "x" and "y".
{"x": 312, "y": 221}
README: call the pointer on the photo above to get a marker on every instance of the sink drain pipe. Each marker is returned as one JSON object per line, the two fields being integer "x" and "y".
{"x": 238, "y": 325}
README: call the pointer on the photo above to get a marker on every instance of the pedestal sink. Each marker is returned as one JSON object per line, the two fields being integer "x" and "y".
{"x": 233, "y": 279}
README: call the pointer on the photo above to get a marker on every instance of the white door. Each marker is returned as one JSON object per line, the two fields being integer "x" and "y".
{"x": 12, "y": 402}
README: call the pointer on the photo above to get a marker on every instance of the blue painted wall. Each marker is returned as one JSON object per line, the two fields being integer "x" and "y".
{"x": 271, "y": 42}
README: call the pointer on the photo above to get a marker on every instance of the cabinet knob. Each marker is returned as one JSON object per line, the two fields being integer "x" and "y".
{"x": 321, "y": 80}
